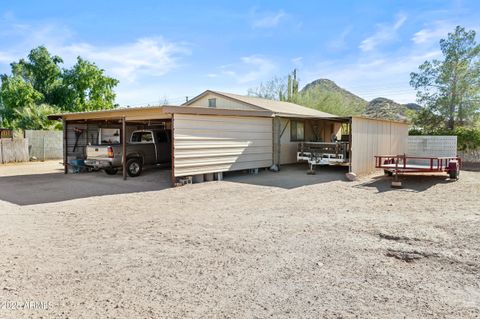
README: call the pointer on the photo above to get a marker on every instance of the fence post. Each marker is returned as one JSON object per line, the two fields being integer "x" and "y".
{"x": 43, "y": 147}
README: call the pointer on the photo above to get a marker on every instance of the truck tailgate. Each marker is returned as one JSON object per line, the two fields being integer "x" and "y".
{"x": 97, "y": 152}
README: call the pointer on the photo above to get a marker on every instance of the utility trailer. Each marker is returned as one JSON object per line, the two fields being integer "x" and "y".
{"x": 322, "y": 153}
{"x": 393, "y": 165}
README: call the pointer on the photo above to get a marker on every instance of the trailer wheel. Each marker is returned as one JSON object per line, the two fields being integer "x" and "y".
{"x": 454, "y": 170}
{"x": 454, "y": 173}
{"x": 111, "y": 171}
{"x": 134, "y": 167}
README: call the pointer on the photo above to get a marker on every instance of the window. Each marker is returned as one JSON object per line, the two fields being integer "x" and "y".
{"x": 142, "y": 137}
{"x": 297, "y": 131}
{"x": 212, "y": 102}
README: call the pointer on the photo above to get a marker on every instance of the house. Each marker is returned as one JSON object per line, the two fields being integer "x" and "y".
{"x": 294, "y": 123}
{"x": 218, "y": 132}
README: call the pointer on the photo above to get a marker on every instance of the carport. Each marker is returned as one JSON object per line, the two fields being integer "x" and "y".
{"x": 203, "y": 140}
{"x": 364, "y": 138}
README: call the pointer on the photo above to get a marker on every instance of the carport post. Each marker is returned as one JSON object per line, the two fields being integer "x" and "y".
{"x": 65, "y": 146}
{"x": 124, "y": 148}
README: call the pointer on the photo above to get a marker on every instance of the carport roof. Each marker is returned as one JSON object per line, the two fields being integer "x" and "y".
{"x": 154, "y": 112}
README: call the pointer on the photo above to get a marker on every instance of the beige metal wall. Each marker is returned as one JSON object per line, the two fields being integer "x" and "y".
{"x": 375, "y": 137}
{"x": 224, "y": 103}
{"x": 209, "y": 144}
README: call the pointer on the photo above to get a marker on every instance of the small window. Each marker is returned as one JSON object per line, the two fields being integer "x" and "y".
{"x": 142, "y": 137}
{"x": 212, "y": 102}
{"x": 297, "y": 131}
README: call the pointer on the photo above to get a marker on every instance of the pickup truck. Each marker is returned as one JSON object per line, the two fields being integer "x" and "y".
{"x": 145, "y": 147}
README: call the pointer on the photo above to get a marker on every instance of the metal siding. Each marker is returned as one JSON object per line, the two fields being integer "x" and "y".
{"x": 375, "y": 137}
{"x": 209, "y": 144}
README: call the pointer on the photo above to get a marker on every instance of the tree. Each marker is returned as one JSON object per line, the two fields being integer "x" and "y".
{"x": 279, "y": 88}
{"x": 274, "y": 89}
{"x": 35, "y": 117}
{"x": 40, "y": 82}
{"x": 15, "y": 93}
{"x": 449, "y": 89}
{"x": 43, "y": 72}
{"x": 88, "y": 88}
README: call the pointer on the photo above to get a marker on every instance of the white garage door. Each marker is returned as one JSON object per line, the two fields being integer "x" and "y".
{"x": 210, "y": 143}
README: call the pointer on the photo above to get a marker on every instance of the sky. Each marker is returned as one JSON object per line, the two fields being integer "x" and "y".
{"x": 167, "y": 50}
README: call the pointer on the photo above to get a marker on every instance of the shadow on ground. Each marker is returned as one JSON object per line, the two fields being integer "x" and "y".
{"x": 291, "y": 176}
{"x": 57, "y": 187}
{"x": 413, "y": 183}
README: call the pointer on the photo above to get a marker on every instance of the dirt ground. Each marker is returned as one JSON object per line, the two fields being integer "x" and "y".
{"x": 247, "y": 247}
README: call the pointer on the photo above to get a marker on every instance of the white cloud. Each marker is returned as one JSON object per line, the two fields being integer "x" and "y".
{"x": 433, "y": 33}
{"x": 251, "y": 68}
{"x": 145, "y": 56}
{"x": 340, "y": 42}
{"x": 153, "y": 56}
{"x": 385, "y": 33}
{"x": 268, "y": 20}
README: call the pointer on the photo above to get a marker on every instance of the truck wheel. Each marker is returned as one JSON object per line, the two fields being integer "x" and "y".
{"x": 111, "y": 171}
{"x": 134, "y": 167}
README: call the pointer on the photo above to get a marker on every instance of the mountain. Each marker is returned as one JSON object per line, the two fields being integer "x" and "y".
{"x": 325, "y": 95}
{"x": 386, "y": 109}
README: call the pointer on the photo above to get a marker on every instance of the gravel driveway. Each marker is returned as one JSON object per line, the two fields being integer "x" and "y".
{"x": 244, "y": 248}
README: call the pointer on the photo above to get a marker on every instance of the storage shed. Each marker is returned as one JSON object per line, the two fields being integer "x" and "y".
{"x": 219, "y": 132}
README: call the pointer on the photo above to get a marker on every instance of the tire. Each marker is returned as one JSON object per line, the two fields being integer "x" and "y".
{"x": 454, "y": 174}
{"x": 134, "y": 167}
{"x": 111, "y": 171}
{"x": 454, "y": 170}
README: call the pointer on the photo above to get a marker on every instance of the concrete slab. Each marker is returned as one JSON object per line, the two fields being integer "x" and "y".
{"x": 46, "y": 183}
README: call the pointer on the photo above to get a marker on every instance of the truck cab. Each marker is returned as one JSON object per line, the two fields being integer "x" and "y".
{"x": 144, "y": 147}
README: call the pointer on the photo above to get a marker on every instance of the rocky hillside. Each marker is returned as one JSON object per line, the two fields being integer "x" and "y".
{"x": 325, "y": 95}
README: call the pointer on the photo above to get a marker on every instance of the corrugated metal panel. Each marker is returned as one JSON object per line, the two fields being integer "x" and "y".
{"x": 371, "y": 137}
{"x": 209, "y": 144}
{"x": 427, "y": 146}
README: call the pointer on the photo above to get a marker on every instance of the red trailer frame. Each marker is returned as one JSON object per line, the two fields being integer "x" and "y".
{"x": 399, "y": 164}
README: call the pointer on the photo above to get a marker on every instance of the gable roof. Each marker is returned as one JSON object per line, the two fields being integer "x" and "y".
{"x": 280, "y": 108}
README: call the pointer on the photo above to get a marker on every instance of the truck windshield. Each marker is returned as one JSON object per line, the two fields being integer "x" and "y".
{"x": 142, "y": 137}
